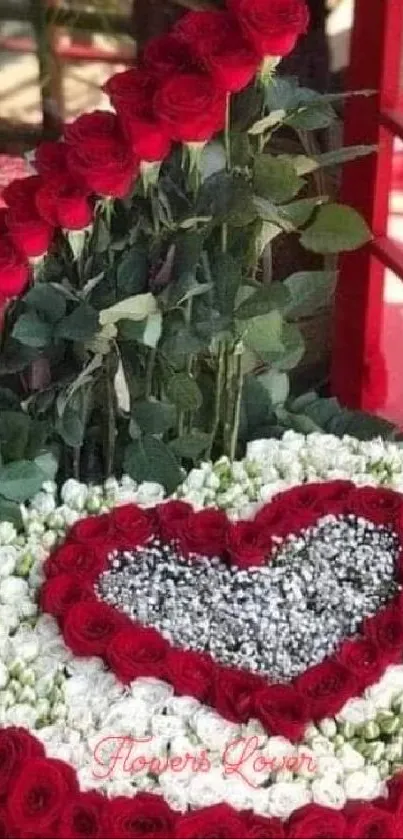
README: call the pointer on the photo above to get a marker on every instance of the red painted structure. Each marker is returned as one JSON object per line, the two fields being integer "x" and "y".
{"x": 358, "y": 374}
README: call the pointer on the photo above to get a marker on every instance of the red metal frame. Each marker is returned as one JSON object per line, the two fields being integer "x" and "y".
{"x": 377, "y": 40}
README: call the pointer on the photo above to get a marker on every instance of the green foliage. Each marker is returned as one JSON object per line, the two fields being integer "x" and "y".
{"x": 150, "y": 326}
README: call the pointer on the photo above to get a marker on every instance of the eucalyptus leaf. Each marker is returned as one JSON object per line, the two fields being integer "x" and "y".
{"x": 154, "y": 417}
{"x": 20, "y": 480}
{"x": 309, "y": 291}
{"x": 227, "y": 275}
{"x": 10, "y": 511}
{"x": 32, "y": 331}
{"x": 48, "y": 463}
{"x": 14, "y": 434}
{"x": 132, "y": 272}
{"x": 336, "y": 228}
{"x": 149, "y": 459}
{"x": 191, "y": 446}
{"x": 293, "y": 349}
{"x": 48, "y": 302}
{"x": 80, "y": 325}
{"x": 277, "y": 385}
{"x": 70, "y": 426}
{"x": 275, "y": 178}
{"x": 263, "y": 300}
{"x": 184, "y": 392}
{"x": 264, "y": 333}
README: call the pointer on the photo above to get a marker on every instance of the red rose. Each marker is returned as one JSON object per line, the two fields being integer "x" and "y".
{"x": 132, "y": 94}
{"x": 369, "y": 822}
{"x": 190, "y": 673}
{"x": 64, "y": 206}
{"x": 136, "y": 652}
{"x": 279, "y": 518}
{"x": 14, "y": 270}
{"x": 93, "y": 530}
{"x": 386, "y": 630}
{"x": 131, "y": 527}
{"x": 316, "y": 822}
{"x": 205, "y": 532}
{"x": 168, "y": 54}
{"x": 16, "y": 744}
{"x": 248, "y": 546}
{"x": 258, "y": 827}
{"x": 191, "y": 107}
{"x": 281, "y": 711}
{"x": 273, "y": 28}
{"x": 99, "y": 154}
{"x": 172, "y": 516}
{"x": 84, "y": 561}
{"x": 217, "y": 39}
{"x": 51, "y": 163}
{"x": 22, "y": 191}
{"x": 83, "y": 817}
{"x": 90, "y": 626}
{"x": 365, "y": 659}
{"x": 326, "y": 687}
{"x": 217, "y": 822}
{"x": 382, "y": 506}
{"x": 59, "y": 593}
{"x": 394, "y": 801}
{"x": 234, "y": 692}
{"x": 7, "y": 830}
{"x": 30, "y": 234}
{"x": 39, "y": 793}
{"x": 144, "y": 815}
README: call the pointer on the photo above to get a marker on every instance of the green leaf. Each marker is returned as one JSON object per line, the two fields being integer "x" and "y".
{"x": 32, "y": 331}
{"x": 20, "y": 480}
{"x": 132, "y": 272}
{"x": 306, "y": 165}
{"x": 191, "y": 446}
{"x": 298, "y": 213}
{"x": 264, "y": 333}
{"x": 101, "y": 238}
{"x": 47, "y": 301}
{"x": 313, "y": 117}
{"x": 184, "y": 392}
{"x": 266, "y": 123}
{"x": 154, "y": 417}
{"x": 136, "y": 308}
{"x": 309, "y": 291}
{"x": 256, "y": 406}
{"x": 14, "y": 433}
{"x": 275, "y": 178}
{"x": 76, "y": 240}
{"x": 227, "y": 274}
{"x": 293, "y": 349}
{"x": 277, "y": 385}
{"x": 71, "y": 427}
{"x": 9, "y": 400}
{"x": 149, "y": 459}
{"x": 48, "y": 463}
{"x": 153, "y": 330}
{"x": 227, "y": 198}
{"x": 335, "y": 228}
{"x": 10, "y": 511}
{"x": 81, "y": 325}
{"x": 263, "y": 300}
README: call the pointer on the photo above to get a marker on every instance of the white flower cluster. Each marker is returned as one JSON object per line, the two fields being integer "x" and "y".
{"x": 123, "y": 739}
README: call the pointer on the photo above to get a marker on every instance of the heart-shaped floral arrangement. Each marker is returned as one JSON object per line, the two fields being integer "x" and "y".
{"x": 282, "y": 618}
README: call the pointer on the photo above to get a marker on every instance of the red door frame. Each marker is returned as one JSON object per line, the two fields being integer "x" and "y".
{"x": 377, "y": 39}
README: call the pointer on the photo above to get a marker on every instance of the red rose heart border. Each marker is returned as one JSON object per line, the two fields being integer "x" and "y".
{"x": 91, "y": 627}
{"x": 27, "y": 777}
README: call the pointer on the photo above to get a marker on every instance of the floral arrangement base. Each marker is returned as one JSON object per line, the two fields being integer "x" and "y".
{"x": 224, "y": 663}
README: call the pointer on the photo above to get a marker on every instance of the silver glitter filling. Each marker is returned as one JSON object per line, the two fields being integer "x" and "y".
{"x": 277, "y": 619}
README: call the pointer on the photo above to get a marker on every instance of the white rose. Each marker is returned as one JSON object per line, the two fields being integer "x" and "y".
{"x": 22, "y": 715}
{"x": 150, "y": 493}
{"x": 350, "y": 758}
{"x": 13, "y": 590}
{"x": 152, "y": 691}
{"x": 215, "y": 732}
{"x": 364, "y": 783}
{"x": 9, "y": 618}
{"x": 43, "y": 503}
{"x": 329, "y": 765}
{"x": 3, "y": 675}
{"x": 89, "y": 667}
{"x": 167, "y": 726}
{"x": 8, "y": 560}
{"x": 259, "y": 450}
{"x": 381, "y": 696}
{"x": 206, "y": 789}
{"x": 26, "y": 644}
{"x": 286, "y": 797}
{"x": 8, "y": 533}
{"x": 357, "y": 711}
{"x": 74, "y": 494}
{"x": 321, "y": 746}
{"x": 196, "y": 479}
{"x": 131, "y": 715}
{"x": 328, "y": 793}
{"x": 393, "y": 677}
{"x": 183, "y": 706}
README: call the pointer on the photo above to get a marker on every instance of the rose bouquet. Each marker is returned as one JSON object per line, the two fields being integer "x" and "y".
{"x": 136, "y": 312}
